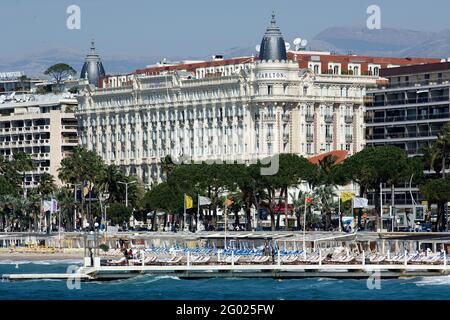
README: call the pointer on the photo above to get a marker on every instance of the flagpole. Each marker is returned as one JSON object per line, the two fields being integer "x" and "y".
{"x": 304, "y": 226}
{"x": 198, "y": 210}
{"x": 184, "y": 213}
{"x": 226, "y": 225}
{"x": 339, "y": 212}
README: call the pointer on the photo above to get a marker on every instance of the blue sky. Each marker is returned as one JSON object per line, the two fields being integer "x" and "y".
{"x": 193, "y": 28}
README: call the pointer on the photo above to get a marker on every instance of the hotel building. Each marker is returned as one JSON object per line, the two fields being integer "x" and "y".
{"x": 408, "y": 112}
{"x": 239, "y": 109}
{"x": 43, "y": 126}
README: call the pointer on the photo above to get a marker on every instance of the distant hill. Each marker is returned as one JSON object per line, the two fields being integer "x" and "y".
{"x": 388, "y": 42}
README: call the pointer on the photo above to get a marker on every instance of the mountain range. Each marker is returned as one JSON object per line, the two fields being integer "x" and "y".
{"x": 388, "y": 42}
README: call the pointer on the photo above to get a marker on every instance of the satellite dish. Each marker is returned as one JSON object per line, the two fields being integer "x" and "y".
{"x": 258, "y": 48}
{"x": 297, "y": 42}
{"x": 287, "y": 45}
{"x": 304, "y": 43}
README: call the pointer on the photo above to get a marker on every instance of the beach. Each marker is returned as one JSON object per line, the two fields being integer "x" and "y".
{"x": 58, "y": 256}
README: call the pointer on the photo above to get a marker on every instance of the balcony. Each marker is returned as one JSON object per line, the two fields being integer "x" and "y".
{"x": 415, "y": 117}
{"x": 309, "y": 137}
{"x": 328, "y": 118}
{"x": 417, "y": 100}
{"x": 286, "y": 137}
{"x": 329, "y": 138}
{"x": 403, "y": 135}
{"x": 348, "y": 138}
{"x": 348, "y": 119}
{"x": 309, "y": 117}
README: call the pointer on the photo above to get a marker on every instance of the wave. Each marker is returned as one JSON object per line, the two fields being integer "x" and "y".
{"x": 433, "y": 281}
{"x": 41, "y": 262}
{"x": 157, "y": 278}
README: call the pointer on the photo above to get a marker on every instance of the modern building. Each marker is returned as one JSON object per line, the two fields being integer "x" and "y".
{"x": 408, "y": 112}
{"x": 16, "y": 81}
{"x": 240, "y": 109}
{"x": 43, "y": 126}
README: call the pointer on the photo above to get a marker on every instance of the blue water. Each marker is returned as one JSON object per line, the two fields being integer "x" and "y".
{"x": 164, "y": 287}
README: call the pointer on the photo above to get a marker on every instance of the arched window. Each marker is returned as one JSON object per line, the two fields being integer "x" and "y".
{"x": 336, "y": 70}
{"x": 316, "y": 69}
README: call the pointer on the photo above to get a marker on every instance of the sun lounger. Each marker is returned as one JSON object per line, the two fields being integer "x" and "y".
{"x": 120, "y": 262}
{"x": 232, "y": 259}
{"x": 173, "y": 260}
{"x": 289, "y": 259}
{"x": 201, "y": 260}
{"x": 260, "y": 259}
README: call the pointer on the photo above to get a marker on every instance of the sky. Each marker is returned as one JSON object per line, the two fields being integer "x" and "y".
{"x": 138, "y": 28}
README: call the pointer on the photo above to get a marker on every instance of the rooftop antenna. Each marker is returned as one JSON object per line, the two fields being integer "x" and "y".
{"x": 297, "y": 42}
{"x": 304, "y": 43}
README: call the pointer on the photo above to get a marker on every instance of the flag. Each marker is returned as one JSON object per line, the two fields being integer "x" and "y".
{"x": 346, "y": 196}
{"x": 228, "y": 202}
{"x": 54, "y": 206}
{"x": 189, "y": 202}
{"x": 360, "y": 203}
{"x": 203, "y": 201}
{"x": 46, "y": 206}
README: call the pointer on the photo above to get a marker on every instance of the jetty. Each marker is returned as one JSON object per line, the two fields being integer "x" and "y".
{"x": 247, "y": 255}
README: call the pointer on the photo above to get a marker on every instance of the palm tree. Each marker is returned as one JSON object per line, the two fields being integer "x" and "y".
{"x": 324, "y": 196}
{"x": 22, "y": 163}
{"x": 167, "y": 166}
{"x": 46, "y": 189}
{"x": 439, "y": 151}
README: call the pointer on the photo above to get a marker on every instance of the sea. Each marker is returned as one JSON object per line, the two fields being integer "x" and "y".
{"x": 148, "y": 287}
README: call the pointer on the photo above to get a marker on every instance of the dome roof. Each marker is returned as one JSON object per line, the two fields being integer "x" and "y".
{"x": 272, "y": 44}
{"x": 92, "y": 67}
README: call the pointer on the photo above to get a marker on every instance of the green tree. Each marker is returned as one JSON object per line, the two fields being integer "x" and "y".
{"x": 163, "y": 197}
{"x": 374, "y": 166}
{"x": 119, "y": 213}
{"x": 47, "y": 185}
{"x": 324, "y": 200}
{"x": 438, "y": 191}
{"x": 59, "y": 72}
{"x": 80, "y": 168}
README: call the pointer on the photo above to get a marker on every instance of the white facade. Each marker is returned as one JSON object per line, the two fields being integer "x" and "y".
{"x": 241, "y": 113}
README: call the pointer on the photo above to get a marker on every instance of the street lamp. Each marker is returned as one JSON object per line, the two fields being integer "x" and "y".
{"x": 126, "y": 190}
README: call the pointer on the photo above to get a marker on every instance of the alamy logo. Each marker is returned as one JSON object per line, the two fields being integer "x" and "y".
{"x": 73, "y": 21}
{"x": 74, "y": 281}
{"x": 374, "y": 280}
{"x": 374, "y": 20}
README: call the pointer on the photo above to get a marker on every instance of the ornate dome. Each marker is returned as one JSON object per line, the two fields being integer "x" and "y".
{"x": 92, "y": 67}
{"x": 272, "y": 44}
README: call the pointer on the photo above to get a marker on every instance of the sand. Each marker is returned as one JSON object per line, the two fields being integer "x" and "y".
{"x": 40, "y": 256}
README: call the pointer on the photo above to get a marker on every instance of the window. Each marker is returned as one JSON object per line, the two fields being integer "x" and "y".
{"x": 336, "y": 70}
{"x": 269, "y": 90}
{"x": 316, "y": 69}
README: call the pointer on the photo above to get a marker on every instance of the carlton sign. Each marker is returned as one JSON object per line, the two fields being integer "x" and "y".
{"x": 271, "y": 75}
